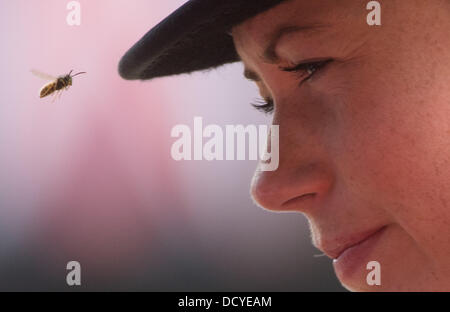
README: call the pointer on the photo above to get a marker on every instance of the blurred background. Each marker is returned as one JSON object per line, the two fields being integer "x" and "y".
{"x": 89, "y": 177}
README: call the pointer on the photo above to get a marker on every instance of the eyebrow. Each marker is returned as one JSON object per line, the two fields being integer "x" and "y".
{"x": 269, "y": 55}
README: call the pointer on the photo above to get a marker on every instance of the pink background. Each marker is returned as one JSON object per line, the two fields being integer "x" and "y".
{"x": 89, "y": 177}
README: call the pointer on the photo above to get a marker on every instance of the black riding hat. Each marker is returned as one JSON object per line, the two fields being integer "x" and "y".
{"x": 194, "y": 37}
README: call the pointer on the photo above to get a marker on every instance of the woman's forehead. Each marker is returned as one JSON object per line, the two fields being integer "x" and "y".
{"x": 302, "y": 13}
{"x": 260, "y": 32}
{"x": 257, "y": 39}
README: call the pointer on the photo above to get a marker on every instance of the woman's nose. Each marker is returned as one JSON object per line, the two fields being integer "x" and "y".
{"x": 304, "y": 176}
{"x": 298, "y": 189}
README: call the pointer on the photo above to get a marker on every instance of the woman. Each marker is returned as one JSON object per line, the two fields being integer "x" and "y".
{"x": 364, "y": 116}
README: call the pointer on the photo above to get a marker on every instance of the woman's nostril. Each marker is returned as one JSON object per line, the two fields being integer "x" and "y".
{"x": 294, "y": 202}
{"x": 292, "y": 188}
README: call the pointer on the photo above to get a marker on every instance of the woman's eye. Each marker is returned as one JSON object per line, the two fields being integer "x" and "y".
{"x": 306, "y": 70}
{"x": 264, "y": 105}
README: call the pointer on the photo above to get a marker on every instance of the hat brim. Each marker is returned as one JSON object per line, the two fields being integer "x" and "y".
{"x": 194, "y": 37}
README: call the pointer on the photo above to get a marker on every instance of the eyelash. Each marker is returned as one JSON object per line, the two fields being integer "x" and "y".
{"x": 264, "y": 105}
{"x": 310, "y": 68}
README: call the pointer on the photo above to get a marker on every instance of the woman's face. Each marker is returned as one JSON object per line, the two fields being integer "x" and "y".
{"x": 364, "y": 132}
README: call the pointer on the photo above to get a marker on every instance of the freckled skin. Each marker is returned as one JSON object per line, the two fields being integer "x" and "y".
{"x": 368, "y": 135}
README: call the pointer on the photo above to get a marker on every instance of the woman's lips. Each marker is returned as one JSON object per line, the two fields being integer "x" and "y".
{"x": 355, "y": 256}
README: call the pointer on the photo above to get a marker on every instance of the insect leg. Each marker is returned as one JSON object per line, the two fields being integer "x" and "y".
{"x": 55, "y": 95}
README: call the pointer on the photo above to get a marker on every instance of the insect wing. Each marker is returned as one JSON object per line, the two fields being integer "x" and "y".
{"x": 43, "y": 75}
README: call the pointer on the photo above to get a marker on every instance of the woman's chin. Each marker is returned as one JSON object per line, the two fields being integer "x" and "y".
{"x": 389, "y": 262}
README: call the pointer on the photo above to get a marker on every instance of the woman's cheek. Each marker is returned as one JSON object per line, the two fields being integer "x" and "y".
{"x": 400, "y": 157}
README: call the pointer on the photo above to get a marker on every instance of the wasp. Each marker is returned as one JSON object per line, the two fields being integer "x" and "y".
{"x": 57, "y": 84}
